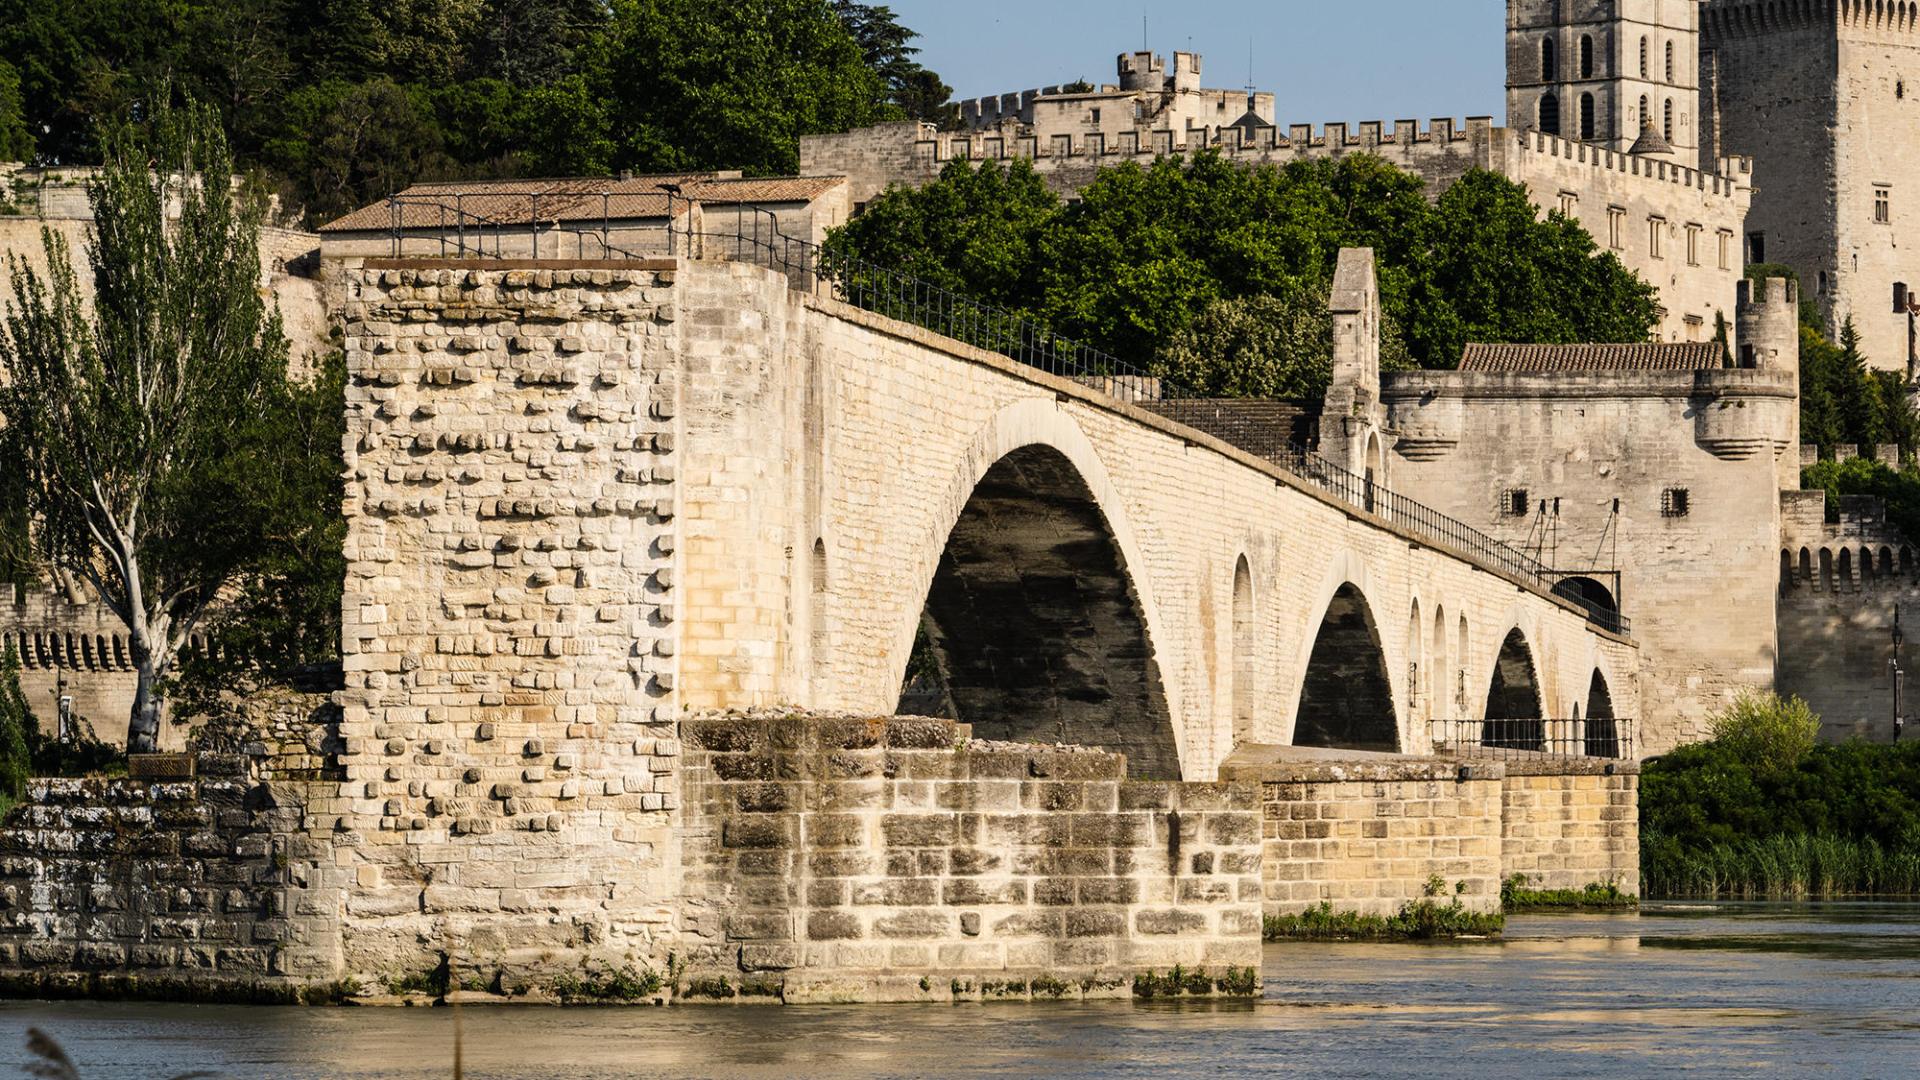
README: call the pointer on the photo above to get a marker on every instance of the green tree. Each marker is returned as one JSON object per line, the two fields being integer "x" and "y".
{"x": 528, "y": 43}
{"x": 16, "y": 722}
{"x": 694, "y": 85}
{"x": 343, "y": 145}
{"x": 1277, "y": 346}
{"x": 884, "y": 45}
{"x": 16, "y": 142}
{"x": 131, "y": 418}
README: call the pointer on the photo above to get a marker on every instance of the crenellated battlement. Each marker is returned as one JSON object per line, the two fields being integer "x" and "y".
{"x": 1402, "y": 139}
{"x": 1757, "y": 18}
{"x": 49, "y": 629}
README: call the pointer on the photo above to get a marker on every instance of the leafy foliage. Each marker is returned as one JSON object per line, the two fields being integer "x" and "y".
{"x": 1277, "y": 346}
{"x": 16, "y": 722}
{"x": 346, "y": 100}
{"x": 1136, "y": 266}
{"x": 1425, "y": 919}
{"x": 1515, "y": 895}
{"x": 1761, "y": 810}
{"x": 137, "y": 423}
{"x": 1898, "y": 489}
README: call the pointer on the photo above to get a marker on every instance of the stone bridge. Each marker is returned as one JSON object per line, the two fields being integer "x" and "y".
{"x": 1074, "y": 569}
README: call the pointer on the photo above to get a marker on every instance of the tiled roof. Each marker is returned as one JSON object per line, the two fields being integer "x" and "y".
{"x": 442, "y": 205}
{"x": 1640, "y": 356}
{"x": 1264, "y": 427}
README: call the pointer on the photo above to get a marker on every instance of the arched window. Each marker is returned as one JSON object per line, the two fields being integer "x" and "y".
{"x": 1666, "y": 129}
{"x": 1586, "y": 117}
{"x": 1643, "y": 57}
{"x": 1586, "y": 56}
{"x": 1550, "y": 114}
{"x": 1669, "y": 62}
{"x": 1645, "y": 117}
{"x": 1549, "y": 71}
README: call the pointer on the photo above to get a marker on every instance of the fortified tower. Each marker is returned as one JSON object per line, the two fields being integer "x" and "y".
{"x": 1600, "y": 71}
{"x": 1825, "y": 94}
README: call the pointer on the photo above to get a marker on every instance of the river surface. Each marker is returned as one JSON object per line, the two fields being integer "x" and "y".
{"x": 1710, "y": 990}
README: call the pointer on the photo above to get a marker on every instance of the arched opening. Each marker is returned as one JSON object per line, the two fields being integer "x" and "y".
{"x": 1513, "y": 699}
{"x": 1586, "y": 56}
{"x": 1806, "y": 566}
{"x": 1439, "y": 703}
{"x": 1242, "y": 672}
{"x": 1346, "y": 700}
{"x": 1666, "y": 129}
{"x": 1592, "y": 595}
{"x": 818, "y": 616}
{"x": 1586, "y": 117}
{"x": 1826, "y": 570}
{"x": 1549, "y": 67}
{"x": 1463, "y": 661}
{"x": 1414, "y": 630}
{"x": 1032, "y": 630}
{"x": 1602, "y": 733}
{"x": 1786, "y": 571}
{"x": 1669, "y": 64}
{"x": 1866, "y": 565}
{"x": 1844, "y": 572}
{"x": 1550, "y": 114}
{"x": 1643, "y": 60}
{"x": 1886, "y": 562}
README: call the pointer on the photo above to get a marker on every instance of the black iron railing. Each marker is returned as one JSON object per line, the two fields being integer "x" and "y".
{"x": 1595, "y": 737}
{"x": 447, "y": 227}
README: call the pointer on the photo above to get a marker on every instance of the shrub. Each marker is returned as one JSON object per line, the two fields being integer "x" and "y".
{"x": 1765, "y": 731}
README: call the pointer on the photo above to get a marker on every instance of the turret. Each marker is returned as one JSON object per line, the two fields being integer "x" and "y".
{"x": 1350, "y": 421}
{"x": 1142, "y": 71}
{"x": 1767, "y": 326}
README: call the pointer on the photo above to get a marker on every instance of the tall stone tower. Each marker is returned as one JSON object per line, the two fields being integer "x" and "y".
{"x": 1825, "y": 95}
{"x": 1602, "y": 71}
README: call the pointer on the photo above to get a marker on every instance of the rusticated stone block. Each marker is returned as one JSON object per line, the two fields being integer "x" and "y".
{"x": 832, "y": 926}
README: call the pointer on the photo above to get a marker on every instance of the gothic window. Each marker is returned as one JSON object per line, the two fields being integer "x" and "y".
{"x": 1643, "y": 59}
{"x": 1548, "y": 69}
{"x": 1669, "y": 62}
{"x": 1586, "y": 117}
{"x": 1550, "y": 114}
{"x": 1667, "y": 129}
{"x": 1586, "y": 56}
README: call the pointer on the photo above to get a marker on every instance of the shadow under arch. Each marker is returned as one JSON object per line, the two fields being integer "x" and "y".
{"x": 1346, "y": 698}
{"x": 1032, "y": 628}
{"x": 1602, "y": 735}
{"x": 1514, "y": 719}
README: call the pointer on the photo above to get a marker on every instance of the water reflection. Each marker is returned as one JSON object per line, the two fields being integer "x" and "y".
{"x": 1722, "y": 990}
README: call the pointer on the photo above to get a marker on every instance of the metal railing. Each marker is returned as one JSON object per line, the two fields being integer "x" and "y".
{"x": 446, "y": 222}
{"x": 753, "y": 234}
{"x": 1608, "y": 738}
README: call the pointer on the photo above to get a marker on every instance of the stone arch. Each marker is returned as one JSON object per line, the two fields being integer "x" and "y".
{"x": 1415, "y": 669}
{"x": 1601, "y": 735}
{"x": 817, "y": 614}
{"x": 1806, "y": 566}
{"x": 1463, "y": 650}
{"x": 1844, "y": 569}
{"x": 1826, "y": 569}
{"x": 1550, "y": 113}
{"x": 1514, "y": 714}
{"x": 1242, "y": 695}
{"x": 1033, "y": 627}
{"x": 1440, "y": 669}
{"x": 1346, "y": 695}
{"x": 1786, "y": 570}
{"x": 1886, "y": 562}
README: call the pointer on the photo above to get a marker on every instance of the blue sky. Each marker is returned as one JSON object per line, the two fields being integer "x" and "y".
{"x": 1379, "y": 60}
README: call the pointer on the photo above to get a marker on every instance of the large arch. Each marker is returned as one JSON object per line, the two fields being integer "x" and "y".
{"x": 1032, "y": 628}
{"x": 1602, "y": 732}
{"x": 1514, "y": 717}
{"x": 1346, "y": 696}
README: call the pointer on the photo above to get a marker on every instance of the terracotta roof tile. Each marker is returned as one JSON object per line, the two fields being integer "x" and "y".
{"x": 1640, "y": 356}
{"x": 441, "y": 205}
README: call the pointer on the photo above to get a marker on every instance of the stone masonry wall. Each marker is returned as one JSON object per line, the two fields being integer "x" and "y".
{"x": 183, "y": 889}
{"x": 1365, "y": 832}
{"x": 834, "y": 859}
{"x": 1569, "y": 824}
{"x": 509, "y": 618}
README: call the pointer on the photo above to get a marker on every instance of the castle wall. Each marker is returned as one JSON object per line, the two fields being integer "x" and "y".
{"x": 1578, "y": 442}
{"x": 77, "y": 650}
{"x": 1570, "y": 824}
{"x": 1594, "y": 185}
{"x": 833, "y": 860}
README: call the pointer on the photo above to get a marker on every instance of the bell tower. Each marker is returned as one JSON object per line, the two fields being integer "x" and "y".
{"x": 1601, "y": 71}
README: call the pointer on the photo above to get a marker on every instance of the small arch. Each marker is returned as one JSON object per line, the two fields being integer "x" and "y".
{"x": 1586, "y": 56}
{"x": 1886, "y": 562}
{"x": 1463, "y": 660}
{"x": 1806, "y": 567}
{"x": 1826, "y": 570}
{"x": 1643, "y": 58}
{"x": 1415, "y": 627}
{"x": 1346, "y": 698}
{"x": 1549, "y": 65}
{"x": 1602, "y": 734}
{"x": 1786, "y": 570}
{"x": 817, "y": 617}
{"x": 1866, "y": 565}
{"x": 1906, "y": 559}
{"x": 1670, "y": 63}
{"x": 1440, "y": 669}
{"x": 1550, "y": 114}
{"x": 1586, "y": 117}
{"x": 1667, "y": 125}
{"x": 1845, "y": 569}
{"x": 1242, "y": 670}
{"x": 1513, "y": 718}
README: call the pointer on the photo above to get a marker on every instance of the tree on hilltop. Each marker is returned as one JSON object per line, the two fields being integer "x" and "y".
{"x": 138, "y": 422}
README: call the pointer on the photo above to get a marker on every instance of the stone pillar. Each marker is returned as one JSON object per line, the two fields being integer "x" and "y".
{"x": 1350, "y": 434}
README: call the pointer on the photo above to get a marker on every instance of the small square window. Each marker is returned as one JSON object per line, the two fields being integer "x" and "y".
{"x": 1616, "y": 228}
{"x": 1882, "y": 206}
{"x": 1515, "y": 502}
{"x": 1094, "y": 116}
{"x": 1675, "y": 502}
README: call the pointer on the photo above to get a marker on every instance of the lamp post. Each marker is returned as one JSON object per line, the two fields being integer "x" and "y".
{"x": 1899, "y": 676}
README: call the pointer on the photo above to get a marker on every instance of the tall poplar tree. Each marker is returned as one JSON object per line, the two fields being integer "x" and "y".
{"x": 135, "y": 422}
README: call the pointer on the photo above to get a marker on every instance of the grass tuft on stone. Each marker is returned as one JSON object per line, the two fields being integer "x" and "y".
{"x": 1425, "y": 919}
{"x": 1594, "y": 896}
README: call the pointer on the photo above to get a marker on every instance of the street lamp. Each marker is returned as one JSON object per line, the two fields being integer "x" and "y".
{"x": 1899, "y": 677}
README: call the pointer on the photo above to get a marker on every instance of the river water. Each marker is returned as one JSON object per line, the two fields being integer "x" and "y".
{"x": 1711, "y": 990}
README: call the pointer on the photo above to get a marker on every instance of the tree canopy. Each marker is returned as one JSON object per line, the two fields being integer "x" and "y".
{"x": 344, "y": 100}
{"x": 1137, "y": 266}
